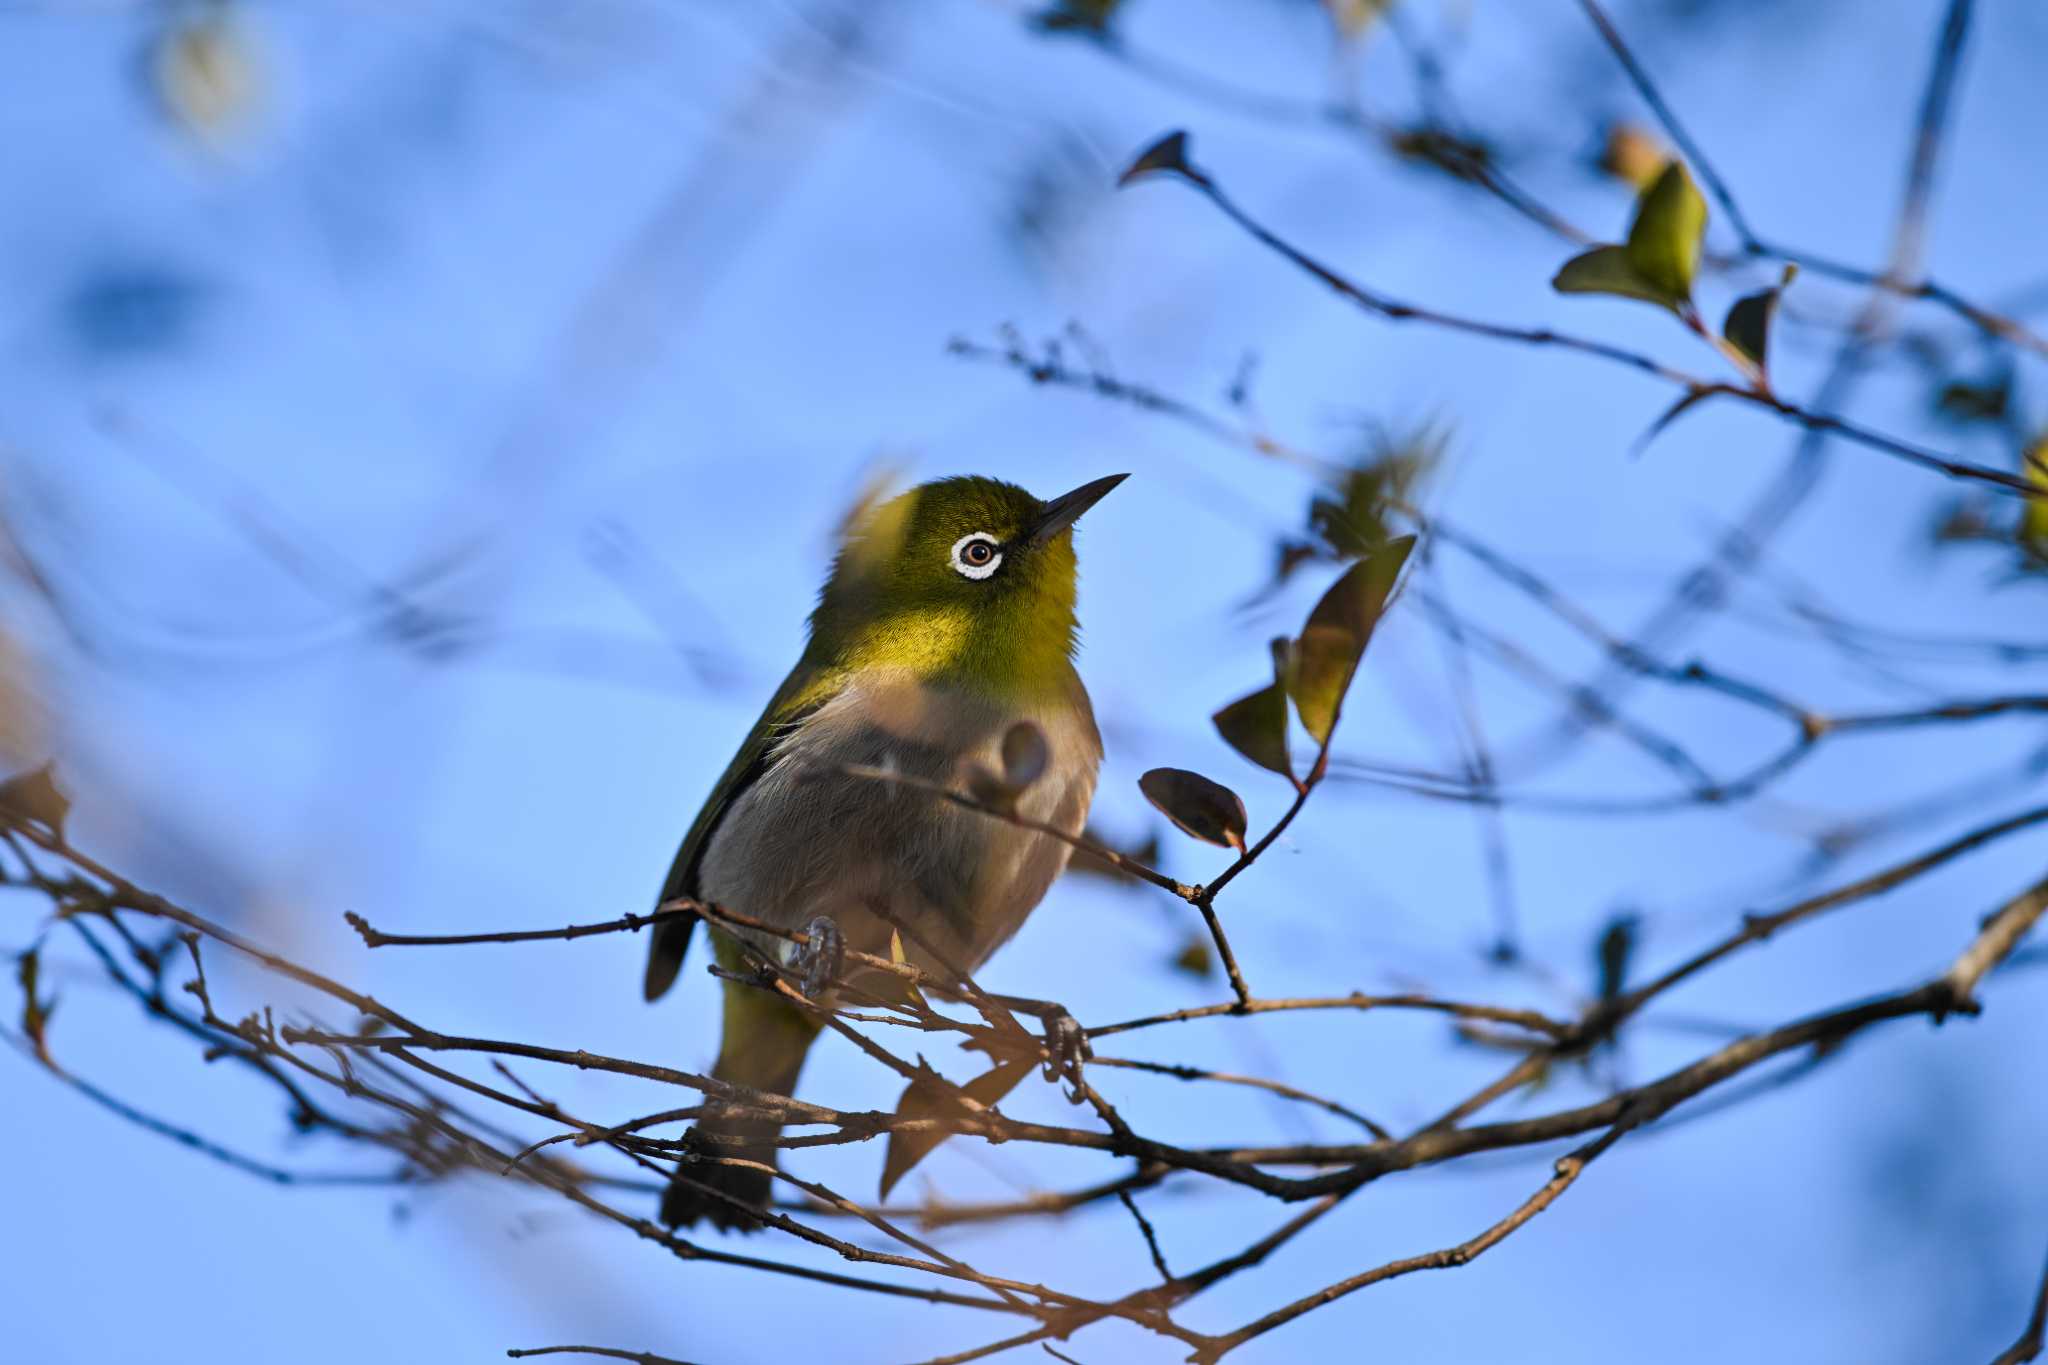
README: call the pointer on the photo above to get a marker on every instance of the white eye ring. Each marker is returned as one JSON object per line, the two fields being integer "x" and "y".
{"x": 967, "y": 569}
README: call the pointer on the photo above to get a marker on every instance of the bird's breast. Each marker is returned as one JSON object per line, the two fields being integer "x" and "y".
{"x": 811, "y": 837}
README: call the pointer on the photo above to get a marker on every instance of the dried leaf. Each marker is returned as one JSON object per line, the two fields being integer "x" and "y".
{"x": 1326, "y": 655}
{"x": 1256, "y": 726}
{"x": 1633, "y": 154}
{"x": 1169, "y": 154}
{"x": 35, "y": 797}
{"x": 1198, "y": 807}
{"x": 1748, "y": 325}
{"x": 935, "y": 1098}
{"x": 35, "y": 1012}
{"x": 911, "y": 994}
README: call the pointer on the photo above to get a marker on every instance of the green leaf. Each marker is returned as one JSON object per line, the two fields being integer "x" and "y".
{"x": 936, "y": 1098}
{"x": 1748, "y": 326}
{"x": 1326, "y": 655}
{"x": 1606, "y": 270}
{"x": 1194, "y": 957}
{"x": 1256, "y": 726}
{"x": 1199, "y": 808}
{"x": 1664, "y": 240}
{"x": 2034, "y": 520}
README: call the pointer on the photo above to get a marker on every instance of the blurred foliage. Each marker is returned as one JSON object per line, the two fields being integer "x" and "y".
{"x": 1633, "y": 155}
{"x": 1748, "y": 327}
{"x": 1662, "y": 254}
{"x": 1326, "y": 655}
{"x": 1353, "y": 513}
{"x": 207, "y": 72}
{"x": 1082, "y": 16}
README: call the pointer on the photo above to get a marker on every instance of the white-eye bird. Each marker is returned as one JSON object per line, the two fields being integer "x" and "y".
{"x": 948, "y": 619}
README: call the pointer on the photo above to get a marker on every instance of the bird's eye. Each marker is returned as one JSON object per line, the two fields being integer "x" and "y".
{"x": 977, "y": 555}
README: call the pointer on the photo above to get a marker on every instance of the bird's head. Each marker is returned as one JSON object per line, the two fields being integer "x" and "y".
{"x": 966, "y": 580}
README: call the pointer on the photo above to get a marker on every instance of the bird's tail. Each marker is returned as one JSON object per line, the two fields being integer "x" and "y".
{"x": 764, "y": 1043}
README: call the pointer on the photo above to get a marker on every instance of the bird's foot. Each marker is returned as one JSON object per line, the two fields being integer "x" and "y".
{"x": 1066, "y": 1047}
{"x": 823, "y": 959}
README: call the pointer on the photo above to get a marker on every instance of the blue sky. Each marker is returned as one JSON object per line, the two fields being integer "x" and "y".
{"x": 590, "y": 322}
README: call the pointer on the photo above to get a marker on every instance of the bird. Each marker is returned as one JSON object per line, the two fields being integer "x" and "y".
{"x": 947, "y": 623}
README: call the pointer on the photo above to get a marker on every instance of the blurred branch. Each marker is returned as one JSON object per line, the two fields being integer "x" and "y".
{"x": 2029, "y": 1344}
{"x": 1695, "y": 387}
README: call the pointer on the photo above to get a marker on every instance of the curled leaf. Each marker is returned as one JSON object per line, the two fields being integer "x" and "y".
{"x": 1198, "y": 807}
{"x": 35, "y": 1011}
{"x": 1664, "y": 240}
{"x": 1169, "y": 154}
{"x": 1326, "y": 655}
{"x": 36, "y": 798}
{"x": 1748, "y": 326}
{"x": 932, "y": 1097}
{"x": 1256, "y": 726}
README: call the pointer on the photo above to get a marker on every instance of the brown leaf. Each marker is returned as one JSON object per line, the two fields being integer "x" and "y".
{"x": 937, "y": 1098}
{"x": 35, "y": 1012}
{"x": 1198, "y": 807}
{"x": 36, "y": 798}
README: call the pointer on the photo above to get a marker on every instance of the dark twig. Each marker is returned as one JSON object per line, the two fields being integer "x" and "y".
{"x": 2029, "y": 1344}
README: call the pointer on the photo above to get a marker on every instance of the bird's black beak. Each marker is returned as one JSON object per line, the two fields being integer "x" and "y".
{"x": 1057, "y": 514}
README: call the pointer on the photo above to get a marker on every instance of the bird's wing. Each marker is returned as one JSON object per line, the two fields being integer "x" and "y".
{"x": 805, "y": 690}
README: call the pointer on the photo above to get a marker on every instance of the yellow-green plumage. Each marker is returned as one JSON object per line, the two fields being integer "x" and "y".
{"x": 948, "y": 618}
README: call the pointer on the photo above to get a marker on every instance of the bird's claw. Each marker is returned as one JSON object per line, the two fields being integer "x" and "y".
{"x": 823, "y": 958}
{"x": 1066, "y": 1047}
